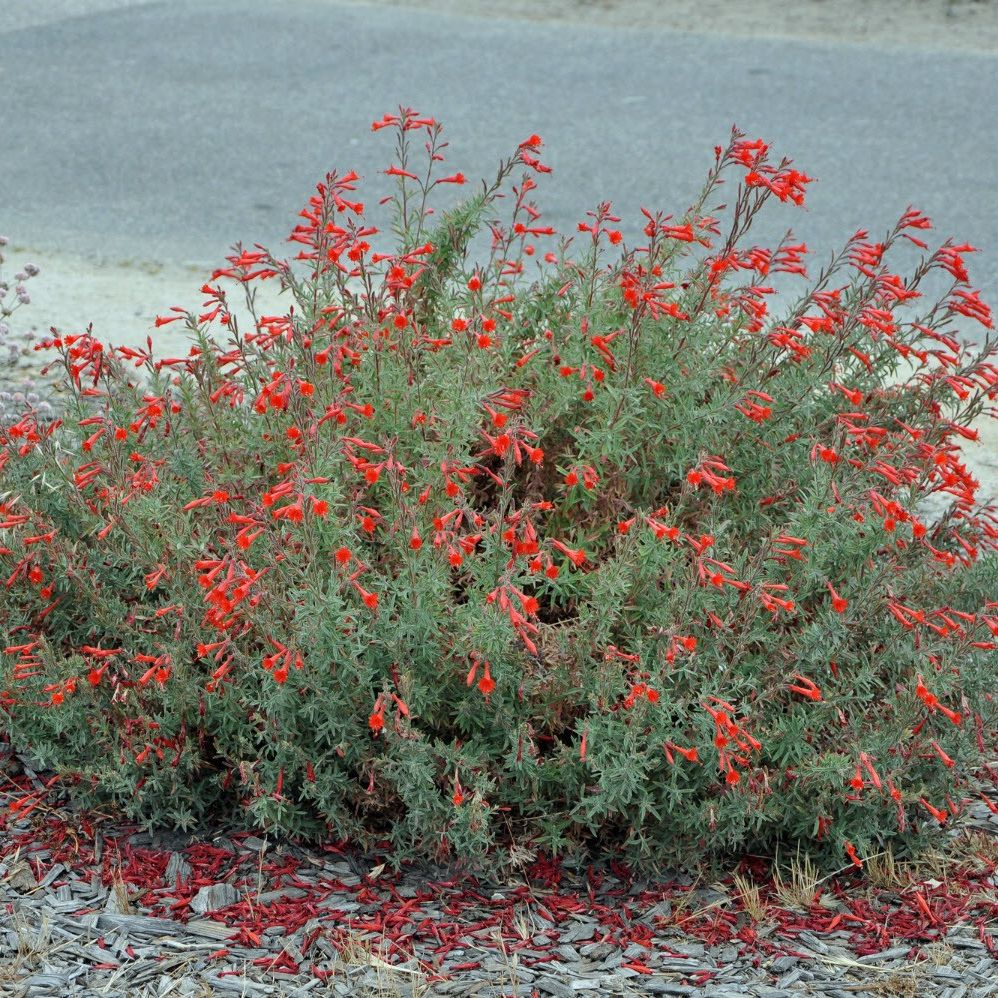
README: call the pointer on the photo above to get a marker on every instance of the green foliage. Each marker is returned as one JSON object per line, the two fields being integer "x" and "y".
{"x": 585, "y": 551}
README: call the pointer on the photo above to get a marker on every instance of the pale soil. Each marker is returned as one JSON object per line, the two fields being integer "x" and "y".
{"x": 120, "y": 297}
{"x": 961, "y": 25}
{"x": 982, "y": 457}
{"x": 968, "y": 25}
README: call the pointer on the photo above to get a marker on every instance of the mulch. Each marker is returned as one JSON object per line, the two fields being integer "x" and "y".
{"x": 129, "y": 912}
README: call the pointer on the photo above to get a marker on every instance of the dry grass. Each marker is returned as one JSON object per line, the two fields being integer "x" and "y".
{"x": 121, "y": 896}
{"x": 682, "y": 909}
{"x": 939, "y": 954}
{"x": 32, "y": 944}
{"x": 907, "y": 981}
{"x": 390, "y": 978}
{"x": 31, "y": 947}
{"x": 249, "y": 896}
{"x": 514, "y": 861}
{"x": 750, "y": 897}
{"x": 973, "y": 848}
{"x": 34, "y": 947}
{"x": 394, "y": 981}
{"x": 799, "y": 888}
{"x": 512, "y": 962}
{"x": 885, "y": 872}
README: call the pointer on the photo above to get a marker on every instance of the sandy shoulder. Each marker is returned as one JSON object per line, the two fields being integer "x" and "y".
{"x": 122, "y": 298}
{"x": 961, "y": 25}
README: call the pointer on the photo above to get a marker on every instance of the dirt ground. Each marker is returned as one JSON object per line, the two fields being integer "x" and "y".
{"x": 963, "y": 25}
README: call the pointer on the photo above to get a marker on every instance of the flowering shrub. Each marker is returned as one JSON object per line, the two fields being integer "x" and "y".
{"x": 579, "y": 551}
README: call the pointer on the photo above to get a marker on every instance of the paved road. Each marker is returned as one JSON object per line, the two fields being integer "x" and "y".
{"x": 168, "y": 130}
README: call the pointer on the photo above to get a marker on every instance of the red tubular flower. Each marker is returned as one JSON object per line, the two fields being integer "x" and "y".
{"x": 940, "y": 815}
{"x": 576, "y": 557}
{"x": 929, "y": 699}
{"x": 874, "y": 775}
{"x": 394, "y": 171}
{"x": 955, "y": 717}
{"x": 376, "y": 722}
{"x": 486, "y": 684}
{"x": 838, "y": 603}
{"x": 689, "y": 754}
{"x": 806, "y": 689}
{"x": 947, "y": 761}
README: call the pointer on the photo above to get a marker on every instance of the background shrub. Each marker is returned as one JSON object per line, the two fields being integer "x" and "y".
{"x": 571, "y": 545}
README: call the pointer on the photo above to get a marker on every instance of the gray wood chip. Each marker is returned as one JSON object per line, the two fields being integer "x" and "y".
{"x": 213, "y": 898}
{"x": 177, "y": 869}
{"x": 281, "y": 894}
{"x": 894, "y": 953}
{"x": 20, "y": 877}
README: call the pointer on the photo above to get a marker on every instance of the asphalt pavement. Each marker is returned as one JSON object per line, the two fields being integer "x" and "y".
{"x": 166, "y": 131}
